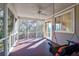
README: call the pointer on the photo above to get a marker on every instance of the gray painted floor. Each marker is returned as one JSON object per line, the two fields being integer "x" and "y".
{"x": 31, "y": 47}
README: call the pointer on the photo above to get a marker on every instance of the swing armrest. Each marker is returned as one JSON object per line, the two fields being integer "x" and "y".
{"x": 69, "y": 42}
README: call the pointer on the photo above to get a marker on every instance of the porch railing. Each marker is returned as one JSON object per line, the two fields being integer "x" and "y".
{"x": 7, "y": 43}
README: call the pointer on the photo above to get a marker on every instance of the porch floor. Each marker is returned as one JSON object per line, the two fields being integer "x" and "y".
{"x": 31, "y": 47}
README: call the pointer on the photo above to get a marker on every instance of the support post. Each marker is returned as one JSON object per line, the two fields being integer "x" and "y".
{"x": 5, "y": 26}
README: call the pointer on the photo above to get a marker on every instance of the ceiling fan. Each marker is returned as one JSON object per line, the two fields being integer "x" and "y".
{"x": 41, "y": 12}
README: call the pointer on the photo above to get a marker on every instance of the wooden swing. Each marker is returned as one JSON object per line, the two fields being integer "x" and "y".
{"x": 64, "y": 49}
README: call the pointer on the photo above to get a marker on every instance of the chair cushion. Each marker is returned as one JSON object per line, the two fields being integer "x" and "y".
{"x": 60, "y": 50}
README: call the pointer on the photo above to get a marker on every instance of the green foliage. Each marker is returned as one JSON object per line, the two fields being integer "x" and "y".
{"x": 1, "y": 34}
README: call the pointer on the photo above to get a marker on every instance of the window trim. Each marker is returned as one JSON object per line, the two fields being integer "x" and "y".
{"x": 73, "y": 19}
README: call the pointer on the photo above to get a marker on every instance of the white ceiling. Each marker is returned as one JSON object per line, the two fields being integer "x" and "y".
{"x": 30, "y": 10}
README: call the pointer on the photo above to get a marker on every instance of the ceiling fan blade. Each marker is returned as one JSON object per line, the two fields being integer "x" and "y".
{"x": 43, "y": 14}
{"x": 40, "y": 11}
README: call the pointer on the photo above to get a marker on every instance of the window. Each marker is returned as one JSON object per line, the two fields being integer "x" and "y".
{"x": 48, "y": 29}
{"x": 1, "y": 29}
{"x": 1, "y": 24}
{"x": 10, "y": 21}
{"x": 65, "y": 21}
{"x": 58, "y": 26}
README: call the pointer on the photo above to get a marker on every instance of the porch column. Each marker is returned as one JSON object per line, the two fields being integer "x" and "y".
{"x": 18, "y": 23}
{"x": 5, "y": 26}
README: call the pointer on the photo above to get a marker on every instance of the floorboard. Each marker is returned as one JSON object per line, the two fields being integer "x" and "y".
{"x": 31, "y": 47}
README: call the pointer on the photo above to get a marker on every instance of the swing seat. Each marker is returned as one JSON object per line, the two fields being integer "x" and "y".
{"x": 64, "y": 50}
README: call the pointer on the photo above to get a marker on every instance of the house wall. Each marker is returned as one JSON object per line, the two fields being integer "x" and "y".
{"x": 62, "y": 37}
{"x": 11, "y": 6}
